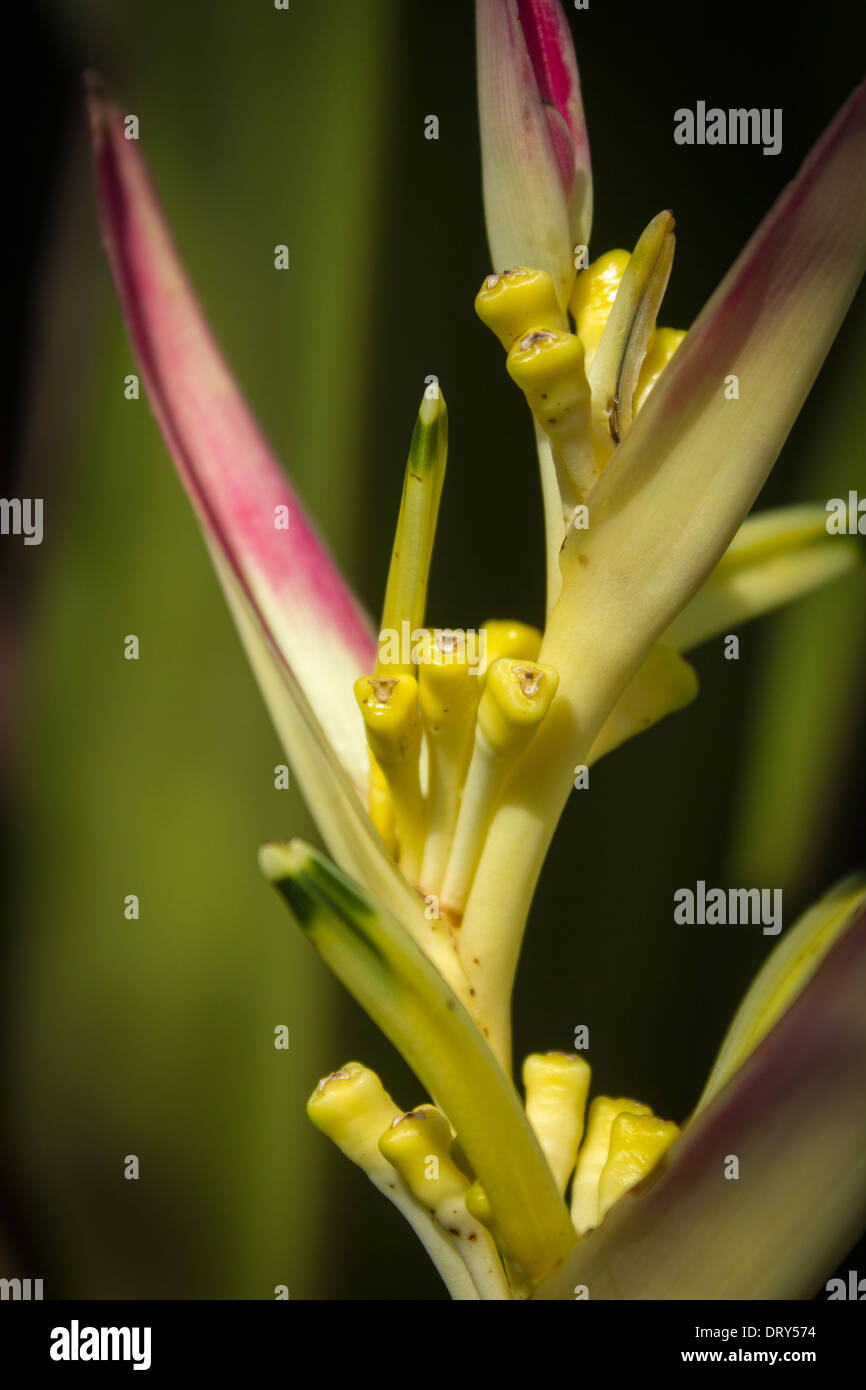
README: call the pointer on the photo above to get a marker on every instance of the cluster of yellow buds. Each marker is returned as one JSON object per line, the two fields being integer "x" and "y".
{"x": 584, "y": 387}
{"x": 620, "y": 1145}
{"x": 442, "y": 743}
{"x": 415, "y": 1160}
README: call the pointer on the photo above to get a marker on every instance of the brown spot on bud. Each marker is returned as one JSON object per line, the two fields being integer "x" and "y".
{"x": 341, "y": 1075}
{"x": 538, "y": 335}
{"x": 530, "y": 679}
{"x": 409, "y": 1115}
{"x": 383, "y": 689}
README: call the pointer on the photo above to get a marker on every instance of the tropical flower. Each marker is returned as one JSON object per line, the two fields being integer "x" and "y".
{"x": 437, "y": 763}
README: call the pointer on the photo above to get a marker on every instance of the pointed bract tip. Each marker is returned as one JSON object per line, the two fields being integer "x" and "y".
{"x": 93, "y": 83}
{"x": 663, "y": 221}
{"x": 432, "y": 403}
{"x": 102, "y": 111}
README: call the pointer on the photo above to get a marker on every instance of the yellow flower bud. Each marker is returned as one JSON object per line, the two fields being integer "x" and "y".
{"x": 556, "y": 1085}
{"x": 517, "y": 696}
{"x": 419, "y": 1146}
{"x": 663, "y": 345}
{"x": 593, "y": 1156}
{"x": 352, "y": 1107}
{"x": 637, "y": 1142}
{"x": 592, "y": 298}
{"x": 507, "y": 638}
{"x": 389, "y": 706}
{"x": 517, "y": 300}
{"x": 448, "y": 693}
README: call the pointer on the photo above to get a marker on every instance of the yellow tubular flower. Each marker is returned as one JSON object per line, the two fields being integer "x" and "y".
{"x": 382, "y": 807}
{"x": 549, "y": 369}
{"x": 592, "y": 298}
{"x": 663, "y": 345}
{"x": 505, "y": 638}
{"x": 519, "y": 299}
{"x": 448, "y": 693}
{"x": 353, "y": 1109}
{"x": 637, "y": 1142}
{"x": 593, "y": 1156}
{"x": 418, "y": 1146}
{"x": 556, "y": 1085}
{"x": 389, "y": 706}
{"x": 517, "y": 696}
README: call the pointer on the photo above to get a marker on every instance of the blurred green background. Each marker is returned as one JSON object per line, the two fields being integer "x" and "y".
{"x": 155, "y": 1037}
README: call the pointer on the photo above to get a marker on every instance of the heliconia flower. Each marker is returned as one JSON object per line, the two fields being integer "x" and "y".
{"x": 437, "y": 773}
{"x": 537, "y": 176}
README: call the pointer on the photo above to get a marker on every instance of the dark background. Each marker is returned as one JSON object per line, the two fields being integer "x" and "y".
{"x": 758, "y": 782}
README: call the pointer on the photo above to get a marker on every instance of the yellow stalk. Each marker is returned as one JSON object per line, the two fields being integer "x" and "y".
{"x": 555, "y": 529}
{"x": 448, "y": 693}
{"x": 418, "y": 1146}
{"x": 406, "y": 589}
{"x": 517, "y": 695}
{"x": 389, "y": 706}
{"x": 382, "y": 807}
{"x": 549, "y": 369}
